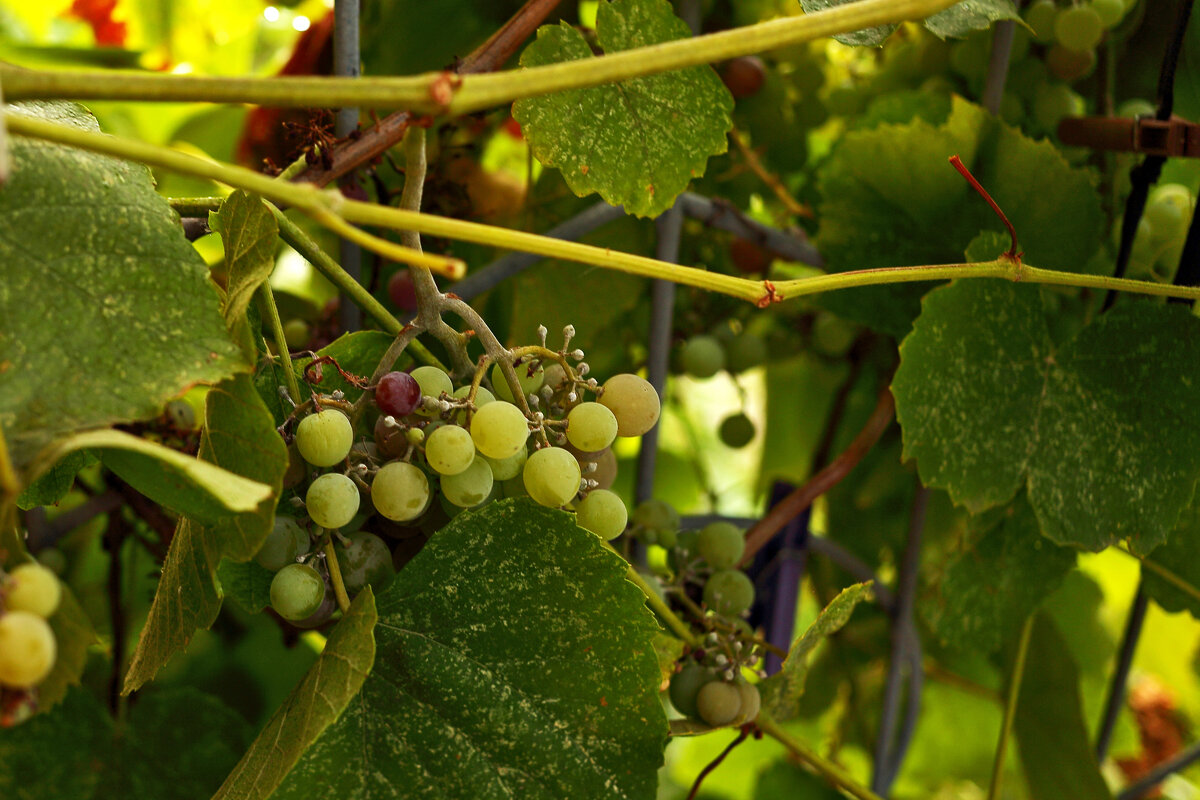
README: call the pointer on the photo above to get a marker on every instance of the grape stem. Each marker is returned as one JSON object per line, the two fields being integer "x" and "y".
{"x": 659, "y": 606}
{"x": 270, "y": 312}
{"x": 335, "y": 576}
{"x": 1010, "y": 706}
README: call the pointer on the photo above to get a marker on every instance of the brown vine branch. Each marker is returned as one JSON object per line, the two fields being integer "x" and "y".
{"x": 978, "y": 187}
{"x": 716, "y": 762}
{"x": 803, "y": 496}
{"x": 772, "y": 181}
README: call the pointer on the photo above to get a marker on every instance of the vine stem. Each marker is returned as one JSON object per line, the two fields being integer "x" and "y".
{"x": 823, "y": 767}
{"x": 1010, "y": 707}
{"x": 317, "y": 202}
{"x": 447, "y": 93}
{"x": 270, "y": 312}
{"x": 660, "y": 607}
{"x": 335, "y": 575}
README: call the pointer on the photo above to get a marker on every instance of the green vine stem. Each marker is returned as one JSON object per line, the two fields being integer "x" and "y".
{"x": 1010, "y": 707}
{"x": 661, "y": 608}
{"x": 823, "y": 767}
{"x": 270, "y": 312}
{"x": 445, "y": 92}
{"x": 335, "y": 576}
{"x": 317, "y": 202}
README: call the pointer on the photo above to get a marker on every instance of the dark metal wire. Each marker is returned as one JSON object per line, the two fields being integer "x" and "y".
{"x": 1117, "y": 687}
{"x": 1152, "y": 778}
{"x": 346, "y": 64}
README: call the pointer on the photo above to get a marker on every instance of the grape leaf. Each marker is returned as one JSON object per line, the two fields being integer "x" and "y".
{"x": 246, "y": 583}
{"x": 89, "y": 245}
{"x": 1102, "y": 430}
{"x": 958, "y": 20}
{"x": 74, "y": 634}
{"x": 53, "y": 485}
{"x": 240, "y": 437}
{"x": 249, "y": 233}
{"x": 313, "y": 706}
{"x": 357, "y": 353}
{"x": 637, "y": 143}
{"x": 889, "y": 198}
{"x": 782, "y": 691}
{"x": 1177, "y": 556}
{"x": 1003, "y": 573}
{"x": 514, "y": 660}
{"x": 173, "y": 745}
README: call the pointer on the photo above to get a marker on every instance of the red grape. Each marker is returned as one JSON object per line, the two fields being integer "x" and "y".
{"x": 397, "y": 394}
{"x": 402, "y": 292}
{"x": 744, "y": 76}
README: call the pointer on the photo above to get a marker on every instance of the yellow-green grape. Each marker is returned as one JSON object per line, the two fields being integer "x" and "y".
{"x": 433, "y": 382}
{"x": 482, "y": 398}
{"x": 500, "y": 430}
{"x": 297, "y": 591}
{"x": 751, "y": 701}
{"x": 450, "y": 450}
{"x": 720, "y": 544}
{"x": 702, "y": 356}
{"x": 470, "y": 487}
{"x": 603, "y": 513}
{"x": 656, "y": 515}
{"x": 182, "y": 414}
{"x": 633, "y": 402}
{"x": 554, "y": 375}
{"x": 31, "y": 587}
{"x": 1078, "y": 27}
{"x": 296, "y": 333}
{"x": 504, "y": 469}
{"x": 27, "y": 649}
{"x": 685, "y": 685}
{"x": 365, "y": 560}
{"x": 529, "y": 379}
{"x": 400, "y": 491}
{"x": 728, "y": 592}
{"x": 591, "y": 427}
{"x": 324, "y": 438}
{"x": 1168, "y": 209}
{"x": 718, "y": 703}
{"x": 737, "y": 430}
{"x": 551, "y": 476}
{"x": 332, "y": 500}
{"x": 1040, "y": 16}
{"x": 1111, "y": 12}
{"x": 286, "y": 541}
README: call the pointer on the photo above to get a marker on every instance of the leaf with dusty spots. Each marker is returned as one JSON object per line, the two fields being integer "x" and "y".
{"x": 1104, "y": 431}
{"x": 514, "y": 660}
{"x": 312, "y": 706}
{"x": 637, "y": 143}
{"x": 1178, "y": 557}
{"x": 958, "y": 20}
{"x": 782, "y": 691}
{"x": 88, "y": 246}
{"x": 249, "y": 233}
{"x": 239, "y": 437}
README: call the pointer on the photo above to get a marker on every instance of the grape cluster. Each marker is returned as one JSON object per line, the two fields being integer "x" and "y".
{"x": 29, "y": 596}
{"x": 1161, "y": 233}
{"x": 704, "y": 355}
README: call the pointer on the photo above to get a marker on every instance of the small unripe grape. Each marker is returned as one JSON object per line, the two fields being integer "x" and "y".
{"x": 736, "y": 431}
{"x": 685, "y": 685}
{"x": 702, "y": 356}
{"x": 1040, "y": 16}
{"x": 551, "y": 476}
{"x": 470, "y": 487}
{"x": 296, "y": 333}
{"x": 591, "y": 427}
{"x": 499, "y": 430}
{"x": 1078, "y": 27}
{"x": 744, "y": 76}
{"x": 286, "y": 541}
{"x": 182, "y": 415}
{"x": 450, "y": 450}
{"x": 53, "y": 559}
{"x": 633, "y": 402}
{"x": 1168, "y": 209}
{"x": 433, "y": 382}
{"x": 529, "y": 378}
{"x": 1070, "y": 65}
{"x": 297, "y": 591}
{"x": 728, "y": 592}
{"x": 1111, "y": 12}
{"x": 687, "y": 542}
{"x": 397, "y": 394}
{"x": 32, "y": 587}
{"x": 751, "y": 701}
{"x": 323, "y": 613}
{"x": 400, "y": 491}
{"x": 27, "y": 649}
{"x": 401, "y": 291}
{"x": 655, "y": 515}
{"x": 365, "y": 560}
{"x": 720, "y": 544}
{"x": 603, "y": 513}
{"x": 324, "y": 438}
{"x": 718, "y": 703}
{"x": 332, "y": 500}
{"x": 745, "y": 351}
{"x": 504, "y": 469}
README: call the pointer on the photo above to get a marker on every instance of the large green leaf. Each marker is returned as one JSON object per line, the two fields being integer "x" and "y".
{"x": 1178, "y": 556}
{"x": 1104, "y": 430}
{"x": 993, "y": 585}
{"x": 782, "y": 691}
{"x": 958, "y": 20}
{"x": 637, "y": 143}
{"x": 888, "y": 198}
{"x": 55, "y": 482}
{"x": 514, "y": 660}
{"x": 108, "y": 311}
{"x": 173, "y": 745}
{"x": 240, "y": 437}
{"x": 312, "y": 706}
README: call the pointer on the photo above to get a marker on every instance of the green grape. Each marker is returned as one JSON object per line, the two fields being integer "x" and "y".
{"x": 1111, "y": 12}
{"x": 286, "y": 541}
{"x": 1070, "y": 65}
{"x": 551, "y": 476}
{"x": 832, "y": 335}
{"x": 482, "y": 398}
{"x": 745, "y": 351}
{"x": 720, "y": 544}
{"x": 514, "y": 487}
{"x": 688, "y": 542}
{"x": 656, "y": 515}
{"x": 736, "y": 430}
{"x": 504, "y": 469}
{"x": 751, "y": 701}
{"x": 633, "y": 402}
{"x": 322, "y": 615}
{"x": 400, "y": 491}
{"x": 603, "y": 513}
{"x": 667, "y": 537}
{"x": 1168, "y": 209}
{"x": 702, "y": 356}
{"x": 182, "y": 415}
{"x": 1040, "y": 16}
{"x": 27, "y": 649}
{"x": 1078, "y": 27}
{"x": 53, "y": 559}
{"x": 296, "y": 333}
{"x": 591, "y": 427}
{"x": 1136, "y": 107}
{"x": 450, "y": 450}
{"x": 685, "y": 685}
{"x": 499, "y": 430}
{"x": 324, "y": 438}
{"x": 530, "y": 380}
{"x": 1052, "y": 102}
{"x": 32, "y": 587}
{"x": 434, "y": 383}
{"x": 470, "y": 487}
{"x": 365, "y": 560}
{"x": 718, "y": 703}
{"x": 332, "y": 500}
{"x": 729, "y": 592}
{"x": 555, "y": 376}
{"x": 297, "y": 591}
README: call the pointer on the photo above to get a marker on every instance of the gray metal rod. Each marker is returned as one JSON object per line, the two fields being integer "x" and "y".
{"x": 346, "y": 64}
{"x": 792, "y": 246}
{"x": 997, "y": 76}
